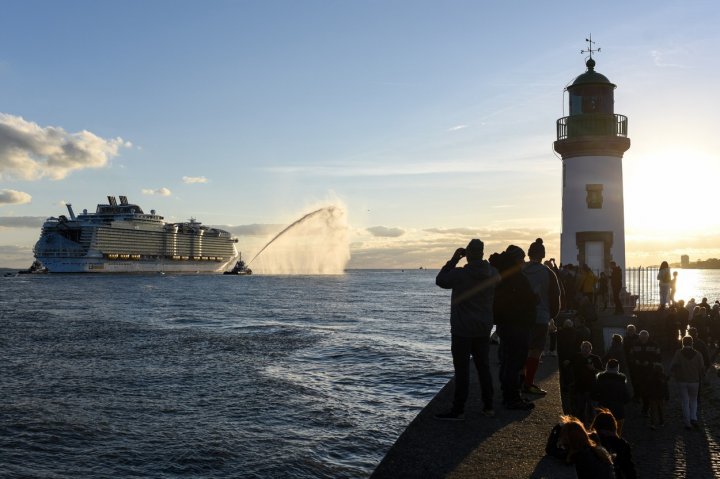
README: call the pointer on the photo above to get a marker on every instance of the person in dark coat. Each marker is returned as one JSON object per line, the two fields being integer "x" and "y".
{"x": 611, "y": 392}
{"x": 607, "y": 434}
{"x": 514, "y": 314}
{"x": 617, "y": 351}
{"x": 616, "y": 281}
{"x": 643, "y": 355}
{"x": 658, "y": 393}
{"x": 629, "y": 340}
{"x": 567, "y": 346}
{"x": 471, "y": 320}
{"x": 585, "y": 366}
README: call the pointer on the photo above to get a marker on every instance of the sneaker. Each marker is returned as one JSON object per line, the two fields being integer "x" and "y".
{"x": 533, "y": 389}
{"x": 520, "y": 405}
{"x": 488, "y": 412}
{"x": 450, "y": 416}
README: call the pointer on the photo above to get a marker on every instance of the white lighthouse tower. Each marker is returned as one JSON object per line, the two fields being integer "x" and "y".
{"x": 592, "y": 141}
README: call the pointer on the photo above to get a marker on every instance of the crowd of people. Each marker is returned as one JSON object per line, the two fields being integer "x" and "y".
{"x": 524, "y": 299}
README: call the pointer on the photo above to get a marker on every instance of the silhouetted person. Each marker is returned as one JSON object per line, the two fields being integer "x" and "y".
{"x": 471, "y": 320}
{"x": 616, "y": 282}
{"x": 591, "y": 460}
{"x": 608, "y": 433}
{"x": 643, "y": 355}
{"x": 602, "y": 291}
{"x": 514, "y": 312}
{"x": 585, "y": 366}
{"x": 545, "y": 285}
{"x": 673, "y": 287}
{"x": 611, "y": 391}
{"x": 664, "y": 279}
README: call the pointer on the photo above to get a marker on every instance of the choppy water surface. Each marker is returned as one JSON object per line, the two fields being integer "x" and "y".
{"x": 215, "y": 376}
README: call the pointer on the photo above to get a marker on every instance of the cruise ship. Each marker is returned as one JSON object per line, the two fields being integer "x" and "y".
{"x": 121, "y": 238}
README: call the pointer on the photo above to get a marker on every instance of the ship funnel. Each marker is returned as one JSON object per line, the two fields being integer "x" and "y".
{"x": 123, "y": 200}
{"x": 112, "y": 201}
{"x": 70, "y": 210}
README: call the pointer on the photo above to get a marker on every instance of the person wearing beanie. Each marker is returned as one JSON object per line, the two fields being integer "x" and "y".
{"x": 514, "y": 313}
{"x": 547, "y": 289}
{"x": 471, "y": 320}
{"x": 611, "y": 391}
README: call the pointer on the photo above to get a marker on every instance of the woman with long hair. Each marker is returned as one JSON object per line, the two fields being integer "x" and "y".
{"x": 592, "y": 461}
{"x": 665, "y": 279}
{"x": 605, "y": 427}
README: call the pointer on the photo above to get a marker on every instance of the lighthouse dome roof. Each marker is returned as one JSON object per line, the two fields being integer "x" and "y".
{"x": 591, "y": 76}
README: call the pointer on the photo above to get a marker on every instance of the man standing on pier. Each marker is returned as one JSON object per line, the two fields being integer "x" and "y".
{"x": 471, "y": 320}
{"x": 545, "y": 285}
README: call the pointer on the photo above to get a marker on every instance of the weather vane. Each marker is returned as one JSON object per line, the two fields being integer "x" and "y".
{"x": 590, "y": 49}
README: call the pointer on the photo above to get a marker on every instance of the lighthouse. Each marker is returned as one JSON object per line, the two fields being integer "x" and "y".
{"x": 591, "y": 142}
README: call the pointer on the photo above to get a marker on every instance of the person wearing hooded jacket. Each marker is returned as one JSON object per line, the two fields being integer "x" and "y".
{"x": 471, "y": 320}
{"x": 545, "y": 285}
{"x": 687, "y": 368}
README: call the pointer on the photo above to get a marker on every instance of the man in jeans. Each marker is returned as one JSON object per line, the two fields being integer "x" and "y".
{"x": 471, "y": 320}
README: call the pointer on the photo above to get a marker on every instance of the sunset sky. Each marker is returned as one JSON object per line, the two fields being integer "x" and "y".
{"x": 430, "y": 122}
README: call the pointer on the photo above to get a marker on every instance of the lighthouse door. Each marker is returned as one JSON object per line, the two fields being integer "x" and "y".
{"x": 595, "y": 256}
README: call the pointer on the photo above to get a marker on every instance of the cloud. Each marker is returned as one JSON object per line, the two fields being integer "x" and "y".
{"x": 457, "y": 127}
{"x": 159, "y": 192}
{"x": 253, "y": 229}
{"x": 14, "y": 197}
{"x": 385, "y": 232}
{"x": 21, "y": 221}
{"x": 189, "y": 180}
{"x": 31, "y": 152}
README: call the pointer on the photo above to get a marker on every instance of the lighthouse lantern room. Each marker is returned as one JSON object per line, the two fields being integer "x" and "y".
{"x": 591, "y": 142}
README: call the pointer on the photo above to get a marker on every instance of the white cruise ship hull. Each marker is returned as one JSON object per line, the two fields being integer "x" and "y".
{"x": 121, "y": 238}
{"x": 99, "y": 265}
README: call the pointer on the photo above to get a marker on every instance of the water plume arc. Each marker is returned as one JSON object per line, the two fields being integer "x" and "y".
{"x": 316, "y": 243}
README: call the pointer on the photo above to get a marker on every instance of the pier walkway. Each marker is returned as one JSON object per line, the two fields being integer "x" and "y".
{"x": 512, "y": 444}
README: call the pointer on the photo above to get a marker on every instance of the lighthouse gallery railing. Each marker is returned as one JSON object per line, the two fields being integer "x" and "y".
{"x": 592, "y": 125}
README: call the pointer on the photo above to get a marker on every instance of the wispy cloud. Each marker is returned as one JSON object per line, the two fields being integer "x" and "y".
{"x": 21, "y": 221}
{"x": 189, "y": 180}
{"x": 158, "y": 192}
{"x": 667, "y": 58}
{"x": 393, "y": 168}
{"x": 385, "y": 232}
{"x": 14, "y": 197}
{"x": 457, "y": 127}
{"x": 30, "y": 152}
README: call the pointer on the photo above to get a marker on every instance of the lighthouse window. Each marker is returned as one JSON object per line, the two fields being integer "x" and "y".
{"x": 594, "y": 196}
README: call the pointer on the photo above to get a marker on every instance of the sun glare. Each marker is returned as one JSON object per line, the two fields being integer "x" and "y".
{"x": 669, "y": 193}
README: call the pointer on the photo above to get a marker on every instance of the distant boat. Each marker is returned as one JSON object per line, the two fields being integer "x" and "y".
{"x": 35, "y": 268}
{"x": 240, "y": 268}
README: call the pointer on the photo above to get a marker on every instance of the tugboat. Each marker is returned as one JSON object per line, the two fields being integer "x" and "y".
{"x": 240, "y": 268}
{"x": 35, "y": 268}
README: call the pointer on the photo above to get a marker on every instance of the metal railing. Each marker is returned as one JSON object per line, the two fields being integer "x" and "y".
{"x": 643, "y": 283}
{"x": 592, "y": 125}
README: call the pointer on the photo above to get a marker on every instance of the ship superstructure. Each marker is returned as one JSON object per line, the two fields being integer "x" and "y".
{"x": 121, "y": 238}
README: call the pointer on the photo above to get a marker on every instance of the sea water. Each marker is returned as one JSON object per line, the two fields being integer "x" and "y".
{"x": 221, "y": 376}
{"x": 215, "y": 376}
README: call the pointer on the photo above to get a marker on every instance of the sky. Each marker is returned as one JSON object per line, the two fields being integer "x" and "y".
{"x": 430, "y": 122}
